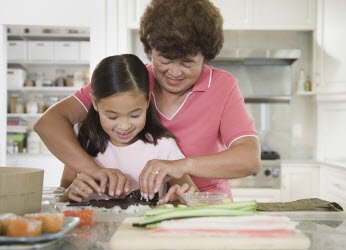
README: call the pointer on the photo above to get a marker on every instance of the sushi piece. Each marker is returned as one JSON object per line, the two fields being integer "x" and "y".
{"x": 51, "y": 222}
{"x": 22, "y": 227}
{"x": 4, "y": 220}
{"x": 86, "y": 216}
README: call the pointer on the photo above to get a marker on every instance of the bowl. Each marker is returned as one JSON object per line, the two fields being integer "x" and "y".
{"x": 20, "y": 190}
{"x": 205, "y": 198}
{"x": 52, "y": 194}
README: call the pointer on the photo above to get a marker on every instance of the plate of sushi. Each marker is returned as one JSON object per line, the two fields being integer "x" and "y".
{"x": 35, "y": 227}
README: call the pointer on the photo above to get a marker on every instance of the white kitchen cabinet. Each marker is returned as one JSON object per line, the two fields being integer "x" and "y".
{"x": 329, "y": 48}
{"x": 284, "y": 15}
{"x": 236, "y": 14}
{"x": 258, "y": 194}
{"x": 249, "y": 14}
{"x": 135, "y": 9}
{"x": 333, "y": 184}
{"x": 331, "y": 120}
{"x": 299, "y": 181}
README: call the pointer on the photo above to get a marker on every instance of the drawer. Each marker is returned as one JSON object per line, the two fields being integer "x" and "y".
{"x": 84, "y": 51}
{"x": 66, "y": 51}
{"x": 40, "y": 50}
{"x": 16, "y": 50}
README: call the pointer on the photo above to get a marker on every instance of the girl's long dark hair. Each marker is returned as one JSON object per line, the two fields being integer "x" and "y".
{"x": 116, "y": 74}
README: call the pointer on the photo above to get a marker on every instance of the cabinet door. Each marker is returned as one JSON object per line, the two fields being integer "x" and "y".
{"x": 299, "y": 181}
{"x": 135, "y": 9}
{"x": 330, "y": 52}
{"x": 236, "y": 14}
{"x": 333, "y": 184}
{"x": 283, "y": 14}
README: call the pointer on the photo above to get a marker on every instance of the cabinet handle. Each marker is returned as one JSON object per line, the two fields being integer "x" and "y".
{"x": 12, "y": 44}
{"x": 39, "y": 44}
{"x": 66, "y": 45}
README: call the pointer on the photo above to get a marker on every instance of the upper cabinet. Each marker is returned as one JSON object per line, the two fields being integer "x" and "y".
{"x": 267, "y": 14}
{"x": 330, "y": 52}
{"x": 250, "y": 14}
{"x": 284, "y": 14}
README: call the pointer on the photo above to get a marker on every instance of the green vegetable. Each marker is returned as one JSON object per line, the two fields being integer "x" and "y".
{"x": 157, "y": 215}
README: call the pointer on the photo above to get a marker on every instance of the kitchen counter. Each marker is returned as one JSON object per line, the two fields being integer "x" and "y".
{"x": 326, "y": 230}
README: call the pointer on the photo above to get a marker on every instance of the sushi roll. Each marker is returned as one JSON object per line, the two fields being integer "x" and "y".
{"x": 4, "y": 220}
{"x": 22, "y": 227}
{"x": 51, "y": 222}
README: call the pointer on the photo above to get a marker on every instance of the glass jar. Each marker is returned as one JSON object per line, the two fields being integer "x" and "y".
{"x": 20, "y": 105}
{"x": 31, "y": 106}
{"x": 33, "y": 143}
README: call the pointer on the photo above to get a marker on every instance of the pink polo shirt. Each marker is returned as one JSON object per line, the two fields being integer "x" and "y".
{"x": 212, "y": 116}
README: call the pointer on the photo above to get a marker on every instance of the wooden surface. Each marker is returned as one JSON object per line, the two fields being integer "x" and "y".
{"x": 20, "y": 190}
{"x": 132, "y": 238}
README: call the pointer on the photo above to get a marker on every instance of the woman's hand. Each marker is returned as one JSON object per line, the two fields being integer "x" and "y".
{"x": 177, "y": 192}
{"x": 155, "y": 171}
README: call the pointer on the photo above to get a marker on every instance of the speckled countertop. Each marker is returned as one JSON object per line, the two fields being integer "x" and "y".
{"x": 326, "y": 230}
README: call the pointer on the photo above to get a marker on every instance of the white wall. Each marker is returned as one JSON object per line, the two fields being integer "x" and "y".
{"x": 3, "y": 95}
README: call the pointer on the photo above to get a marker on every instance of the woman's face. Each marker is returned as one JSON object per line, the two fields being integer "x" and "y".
{"x": 176, "y": 76}
{"x": 123, "y": 116}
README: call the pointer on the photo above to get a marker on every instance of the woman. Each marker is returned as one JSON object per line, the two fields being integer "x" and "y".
{"x": 202, "y": 106}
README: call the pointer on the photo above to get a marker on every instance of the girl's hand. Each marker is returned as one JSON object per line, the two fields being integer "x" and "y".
{"x": 112, "y": 179}
{"x": 176, "y": 193}
{"x": 81, "y": 188}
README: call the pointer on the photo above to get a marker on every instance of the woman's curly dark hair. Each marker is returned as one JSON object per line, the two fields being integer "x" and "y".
{"x": 179, "y": 28}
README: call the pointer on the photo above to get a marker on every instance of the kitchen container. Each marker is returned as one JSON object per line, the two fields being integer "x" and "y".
{"x": 20, "y": 190}
{"x": 205, "y": 198}
{"x": 15, "y": 78}
{"x": 16, "y": 50}
{"x": 41, "y": 50}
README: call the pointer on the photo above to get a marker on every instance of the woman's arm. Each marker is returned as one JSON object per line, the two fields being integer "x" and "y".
{"x": 241, "y": 159}
{"x": 55, "y": 128}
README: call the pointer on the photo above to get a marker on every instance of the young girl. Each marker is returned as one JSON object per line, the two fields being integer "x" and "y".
{"x": 122, "y": 131}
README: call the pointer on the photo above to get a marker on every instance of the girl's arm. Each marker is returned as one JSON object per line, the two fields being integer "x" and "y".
{"x": 78, "y": 186}
{"x": 178, "y": 187}
{"x": 185, "y": 179}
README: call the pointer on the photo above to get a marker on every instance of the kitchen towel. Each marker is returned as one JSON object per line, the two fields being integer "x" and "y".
{"x": 299, "y": 205}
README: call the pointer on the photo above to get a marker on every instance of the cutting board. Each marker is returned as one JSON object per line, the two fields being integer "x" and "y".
{"x": 128, "y": 237}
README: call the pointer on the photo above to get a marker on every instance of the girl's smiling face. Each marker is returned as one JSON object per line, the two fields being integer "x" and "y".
{"x": 123, "y": 116}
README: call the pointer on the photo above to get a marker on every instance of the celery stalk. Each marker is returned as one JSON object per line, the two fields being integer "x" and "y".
{"x": 227, "y": 209}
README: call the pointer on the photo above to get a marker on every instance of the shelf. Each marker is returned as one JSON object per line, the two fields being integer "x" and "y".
{"x": 23, "y": 115}
{"x": 46, "y": 89}
{"x": 306, "y": 93}
{"x": 267, "y": 99}
{"x": 49, "y": 63}
{"x": 50, "y": 37}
